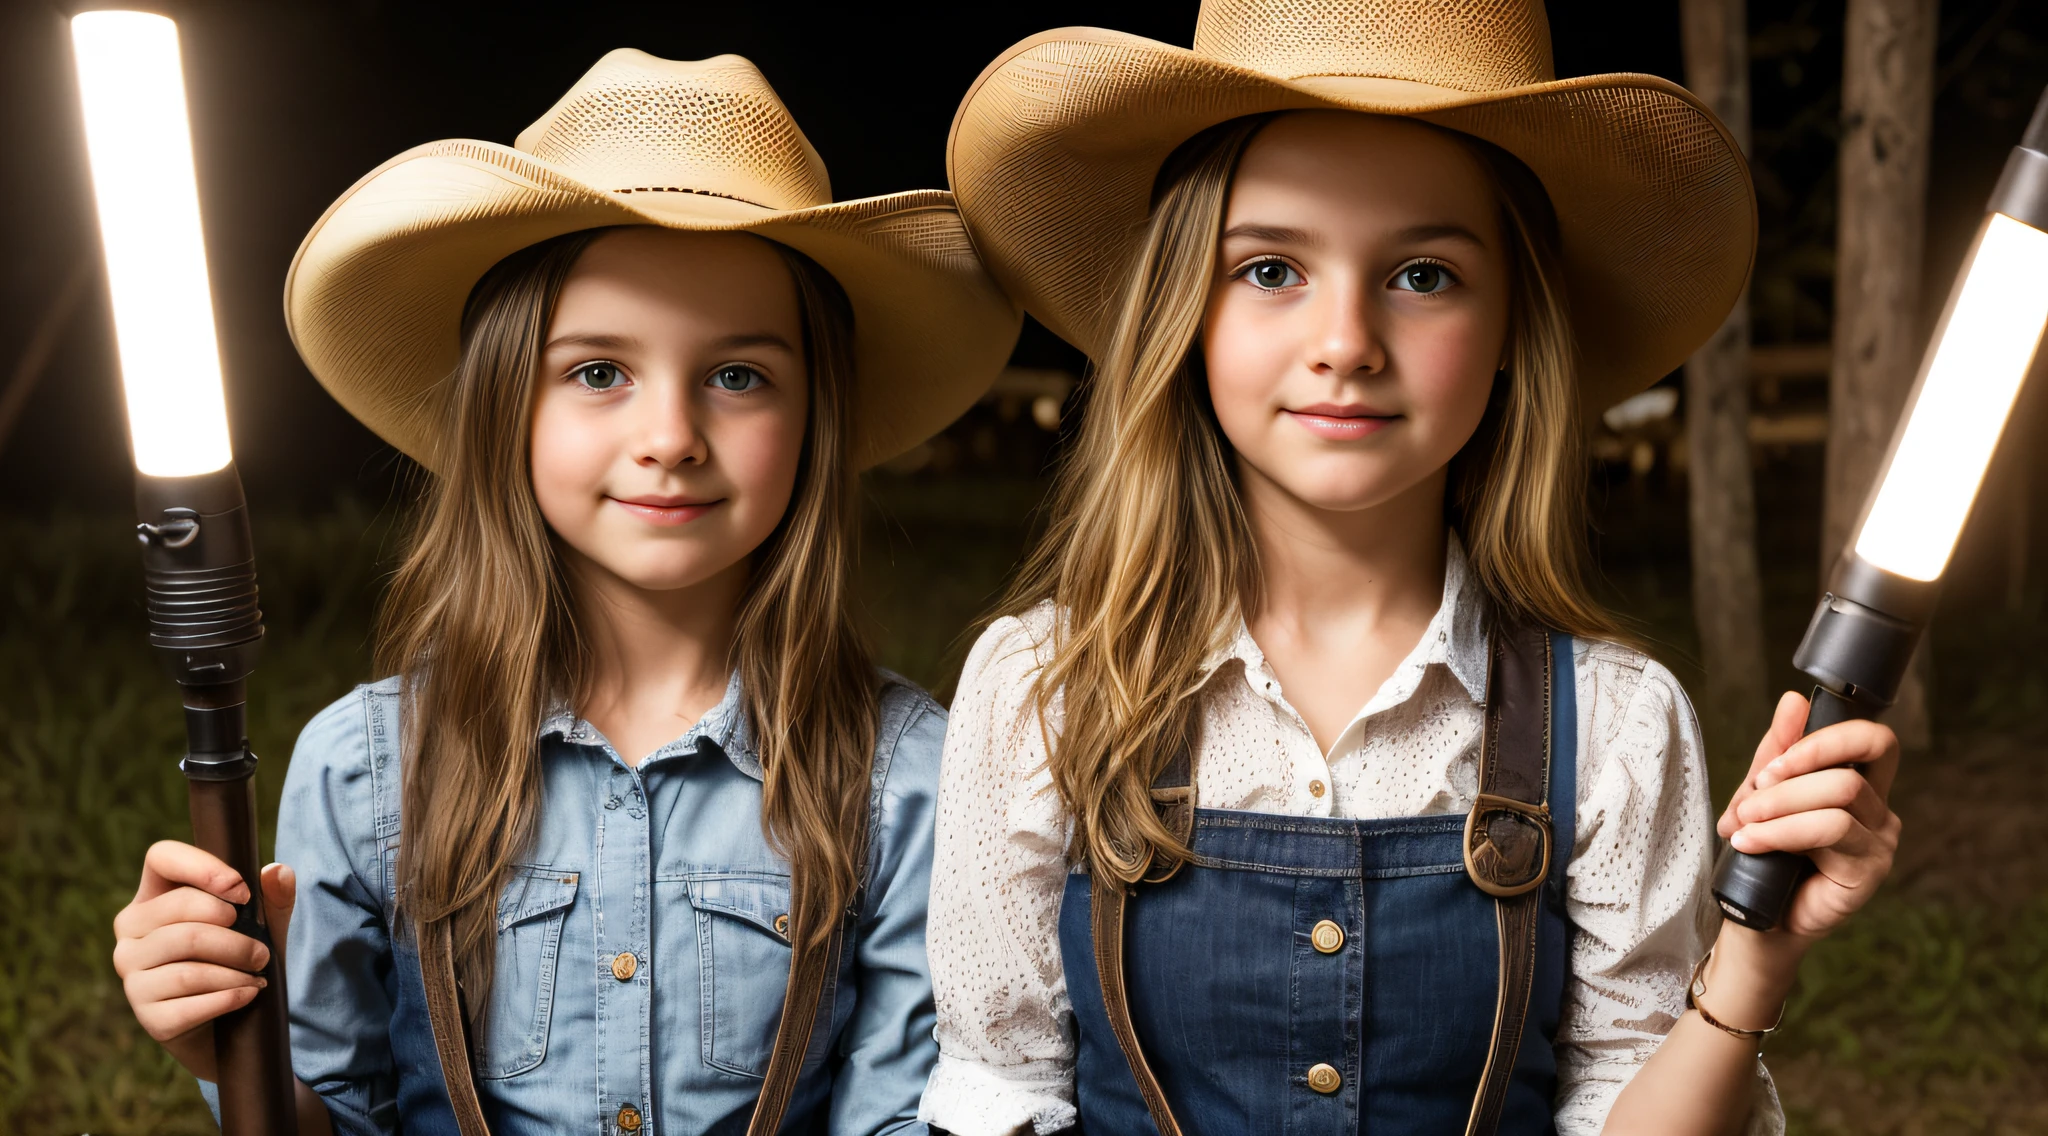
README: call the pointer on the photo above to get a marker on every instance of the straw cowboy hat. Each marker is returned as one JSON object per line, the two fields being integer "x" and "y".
{"x": 375, "y": 295}
{"x": 1055, "y": 150}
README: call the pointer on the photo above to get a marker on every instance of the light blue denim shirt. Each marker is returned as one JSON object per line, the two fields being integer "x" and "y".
{"x": 666, "y": 862}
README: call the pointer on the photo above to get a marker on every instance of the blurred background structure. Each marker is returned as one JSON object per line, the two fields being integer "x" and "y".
{"x": 1875, "y": 129}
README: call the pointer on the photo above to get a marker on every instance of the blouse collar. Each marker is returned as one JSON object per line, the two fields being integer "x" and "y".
{"x": 724, "y": 727}
{"x": 1455, "y": 638}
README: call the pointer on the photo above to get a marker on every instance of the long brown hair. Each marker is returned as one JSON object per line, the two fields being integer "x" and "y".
{"x": 1147, "y": 554}
{"x": 479, "y": 621}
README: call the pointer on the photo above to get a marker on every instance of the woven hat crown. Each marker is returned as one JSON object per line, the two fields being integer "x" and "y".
{"x": 1467, "y": 45}
{"x": 636, "y": 123}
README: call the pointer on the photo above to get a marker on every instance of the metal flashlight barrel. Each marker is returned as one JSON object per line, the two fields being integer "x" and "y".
{"x": 199, "y": 579}
{"x": 1856, "y": 648}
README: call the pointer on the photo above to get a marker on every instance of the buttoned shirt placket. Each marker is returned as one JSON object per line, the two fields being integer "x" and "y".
{"x": 622, "y": 902}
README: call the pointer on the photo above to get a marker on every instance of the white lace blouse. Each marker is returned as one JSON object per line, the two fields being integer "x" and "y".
{"x": 1636, "y": 886}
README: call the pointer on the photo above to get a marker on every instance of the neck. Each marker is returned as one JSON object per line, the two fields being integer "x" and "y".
{"x": 1343, "y": 573}
{"x": 664, "y": 653}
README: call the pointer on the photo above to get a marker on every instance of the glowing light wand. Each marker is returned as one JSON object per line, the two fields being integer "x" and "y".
{"x": 1883, "y": 588}
{"x": 199, "y": 566}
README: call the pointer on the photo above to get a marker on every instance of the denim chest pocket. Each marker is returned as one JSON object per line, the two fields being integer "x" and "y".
{"x": 513, "y": 1037}
{"x": 743, "y": 952}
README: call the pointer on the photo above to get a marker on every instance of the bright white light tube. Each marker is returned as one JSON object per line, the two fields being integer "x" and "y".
{"x": 140, "y": 144}
{"x": 1985, "y": 347}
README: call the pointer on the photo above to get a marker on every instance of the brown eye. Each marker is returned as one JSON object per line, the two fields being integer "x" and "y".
{"x": 1424, "y": 277}
{"x": 736, "y": 379}
{"x": 599, "y": 376}
{"x": 1273, "y": 275}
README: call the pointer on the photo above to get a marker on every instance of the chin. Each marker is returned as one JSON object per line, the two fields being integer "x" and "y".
{"x": 664, "y": 573}
{"x": 1344, "y": 501}
{"x": 1340, "y": 490}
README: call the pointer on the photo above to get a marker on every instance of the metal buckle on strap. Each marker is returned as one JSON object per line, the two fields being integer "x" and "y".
{"x": 1507, "y": 845}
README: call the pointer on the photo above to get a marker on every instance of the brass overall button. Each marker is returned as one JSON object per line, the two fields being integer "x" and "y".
{"x": 782, "y": 925}
{"x": 1328, "y": 938}
{"x": 629, "y": 1117}
{"x": 623, "y": 966}
{"x": 1324, "y": 1079}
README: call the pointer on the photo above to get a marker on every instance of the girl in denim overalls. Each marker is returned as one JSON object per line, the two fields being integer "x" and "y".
{"x": 633, "y": 759}
{"x": 1250, "y": 798}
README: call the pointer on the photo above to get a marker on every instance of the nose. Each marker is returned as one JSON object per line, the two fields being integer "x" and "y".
{"x": 669, "y": 434}
{"x": 1346, "y": 340}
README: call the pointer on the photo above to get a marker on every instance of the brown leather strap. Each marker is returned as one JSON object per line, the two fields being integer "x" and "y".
{"x": 1517, "y": 747}
{"x": 1106, "y": 915}
{"x": 451, "y": 1037}
{"x": 1507, "y": 841}
{"x": 1173, "y": 797}
{"x": 810, "y": 966}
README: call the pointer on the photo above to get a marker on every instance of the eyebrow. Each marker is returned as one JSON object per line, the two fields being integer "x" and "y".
{"x": 604, "y": 341}
{"x": 1282, "y": 234}
{"x": 1439, "y": 231}
{"x": 597, "y": 339}
{"x": 754, "y": 339}
{"x": 1277, "y": 234}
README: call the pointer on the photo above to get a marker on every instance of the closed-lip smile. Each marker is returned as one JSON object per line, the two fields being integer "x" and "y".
{"x": 657, "y": 509}
{"x": 1341, "y": 423}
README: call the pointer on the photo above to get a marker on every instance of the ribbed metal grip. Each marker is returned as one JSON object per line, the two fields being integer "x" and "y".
{"x": 199, "y": 575}
{"x": 193, "y": 609}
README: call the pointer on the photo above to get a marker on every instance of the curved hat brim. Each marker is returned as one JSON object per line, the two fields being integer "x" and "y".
{"x": 1054, "y": 151}
{"x": 374, "y": 296}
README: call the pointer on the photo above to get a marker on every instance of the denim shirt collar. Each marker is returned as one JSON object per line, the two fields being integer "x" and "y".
{"x": 724, "y": 726}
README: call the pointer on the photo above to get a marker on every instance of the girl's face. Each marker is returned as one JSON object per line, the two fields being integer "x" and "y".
{"x": 1359, "y": 311}
{"x": 669, "y": 412}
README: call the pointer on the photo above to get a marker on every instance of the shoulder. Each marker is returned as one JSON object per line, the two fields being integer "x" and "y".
{"x": 909, "y": 734}
{"x": 345, "y": 734}
{"x": 340, "y": 788}
{"x": 1007, "y": 658}
{"x": 1025, "y": 636}
{"x": 1618, "y": 683}
{"x": 1635, "y": 719}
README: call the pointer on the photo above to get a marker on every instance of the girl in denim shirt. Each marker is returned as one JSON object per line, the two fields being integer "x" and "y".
{"x": 634, "y": 758}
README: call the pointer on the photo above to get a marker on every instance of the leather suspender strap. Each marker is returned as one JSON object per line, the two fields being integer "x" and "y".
{"x": 444, "y": 1016}
{"x": 810, "y": 966}
{"x": 1173, "y": 797}
{"x": 1507, "y": 840}
{"x": 1106, "y": 916}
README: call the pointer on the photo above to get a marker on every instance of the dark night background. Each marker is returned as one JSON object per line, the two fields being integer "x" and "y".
{"x": 1928, "y": 1014}
{"x": 292, "y": 101}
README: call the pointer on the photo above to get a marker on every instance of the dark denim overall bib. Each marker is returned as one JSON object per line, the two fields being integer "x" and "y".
{"x": 1235, "y": 1001}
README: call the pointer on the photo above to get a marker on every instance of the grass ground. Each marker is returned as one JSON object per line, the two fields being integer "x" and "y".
{"x": 1929, "y": 1014}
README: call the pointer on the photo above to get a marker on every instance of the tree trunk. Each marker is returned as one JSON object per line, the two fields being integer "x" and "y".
{"x": 1727, "y": 596}
{"x": 1887, "y": 113}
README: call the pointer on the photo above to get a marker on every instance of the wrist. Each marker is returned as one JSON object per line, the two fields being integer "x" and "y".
{"x": 1751, "y": 975}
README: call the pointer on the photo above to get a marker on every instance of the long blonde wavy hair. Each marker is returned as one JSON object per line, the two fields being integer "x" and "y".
{"x": 1147, "y": 554}
{"x": 479, "y": 620}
